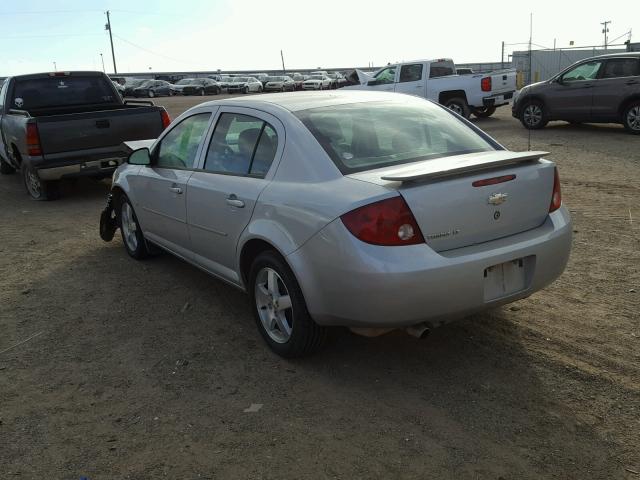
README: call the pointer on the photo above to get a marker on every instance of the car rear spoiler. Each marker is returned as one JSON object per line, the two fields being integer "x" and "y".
{"x": 452, "y": 166}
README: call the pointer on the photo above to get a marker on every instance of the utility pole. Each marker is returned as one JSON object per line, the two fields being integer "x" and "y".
{"x": 502, "y": 56}
{"x": 282, "y": 58}
{"x": 605, "y": 30}
{"x": 113, "y": 54}
{"x": 102, "y": 60}
{"x": 55, "y": 67}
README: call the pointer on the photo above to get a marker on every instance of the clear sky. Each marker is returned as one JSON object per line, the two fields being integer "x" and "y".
{"x": 188, "y": 35}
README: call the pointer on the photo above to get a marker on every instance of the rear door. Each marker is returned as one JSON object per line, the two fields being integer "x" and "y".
{"x": 161, "y": 187}
{"x": 571, "y": 97}
{"x": 412, "y": 79}
{"x": 618, "y": 79}
{"x": 221, "y": 196}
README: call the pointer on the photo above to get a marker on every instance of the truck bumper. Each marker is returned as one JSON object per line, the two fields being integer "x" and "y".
{"x": 95, "y": 168}
{"x": 497, "y": 100}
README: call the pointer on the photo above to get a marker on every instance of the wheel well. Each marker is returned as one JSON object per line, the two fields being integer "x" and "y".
{"x": 528, "y": 98}
{"x": 626, "y": 102}
{"x": 448, "y": 95}
{"x": 250, "y": 251}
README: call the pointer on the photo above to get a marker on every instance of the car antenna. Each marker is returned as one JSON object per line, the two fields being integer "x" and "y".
{"x": 530, "y": 72}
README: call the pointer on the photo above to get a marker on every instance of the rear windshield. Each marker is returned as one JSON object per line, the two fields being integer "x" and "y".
{"x": 364, "y": 136}
{"x": 66, "y": 91}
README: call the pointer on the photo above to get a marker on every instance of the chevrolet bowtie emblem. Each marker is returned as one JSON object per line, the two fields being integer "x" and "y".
{"x": 497, "y": 198}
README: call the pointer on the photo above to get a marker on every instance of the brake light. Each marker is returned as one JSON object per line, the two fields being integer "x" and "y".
{"x": 556, "y": 196}
{"x": 485, "y": 84}
{"x": 166, "y": 119}
{"x": 33, "y": 140}
{"x": 59, "y": 74}
{"x": 387, "y": 222}
{"x": 493, "y": 180}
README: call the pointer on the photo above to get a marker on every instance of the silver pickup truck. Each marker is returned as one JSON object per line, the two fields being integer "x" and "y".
{"x": 69, "y": 124}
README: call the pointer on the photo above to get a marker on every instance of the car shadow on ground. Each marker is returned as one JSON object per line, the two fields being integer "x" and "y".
{"x": 127, "y": 342}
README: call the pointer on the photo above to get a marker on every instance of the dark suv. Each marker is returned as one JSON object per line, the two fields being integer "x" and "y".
{"x": 603, "y": 89}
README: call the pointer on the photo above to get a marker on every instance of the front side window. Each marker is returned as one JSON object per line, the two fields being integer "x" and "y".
{"x": 388, "y": 75}
{"x": 364, "y": 136}
{"x": 241, "y": 145}
{"x": 586, "y": 71}
{"x": 621, "y": 67}
{"x": 178, "y": 148}
{"x": 411, "y": 73}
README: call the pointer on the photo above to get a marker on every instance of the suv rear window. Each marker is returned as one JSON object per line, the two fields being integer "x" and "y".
{"x": 64, "y": 91}
{"x": 364, "y": 136}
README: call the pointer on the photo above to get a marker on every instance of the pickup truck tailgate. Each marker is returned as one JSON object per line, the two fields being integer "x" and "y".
{"x": 93, "y": 130}
{"x": 502, "y": 82}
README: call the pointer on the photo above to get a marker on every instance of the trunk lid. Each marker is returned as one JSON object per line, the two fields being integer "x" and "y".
{"x": 453, "y": 213}
{"x": 502, "y": 82}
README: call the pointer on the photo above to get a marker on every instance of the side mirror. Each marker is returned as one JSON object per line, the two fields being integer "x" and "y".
{"x": 142, "y": 156}
{"x": 559, "y": 81}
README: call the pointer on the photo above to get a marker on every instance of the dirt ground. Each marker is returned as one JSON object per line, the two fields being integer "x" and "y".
{"x": 144, "y": 370}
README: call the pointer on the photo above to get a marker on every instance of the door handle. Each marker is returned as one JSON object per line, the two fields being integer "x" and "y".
{"x": 234, "y": 201}
{"x": 177, "y": 190}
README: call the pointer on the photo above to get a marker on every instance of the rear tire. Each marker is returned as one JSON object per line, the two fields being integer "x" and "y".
{"x": 458, "y": 105}
{"x": 151, "y": 94}
{"x": 6, "y": 168}
{"x": 132, "y": 237}
{"x": 484, "y": 112}
{"x": 631, "y": 118}
{"x": 37, "y": 188}
{"x": 289, "y": 331}
{"x": 532, "y": 115}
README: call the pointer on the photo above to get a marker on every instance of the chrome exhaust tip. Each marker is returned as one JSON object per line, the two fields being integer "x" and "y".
{"x": 421, "y": 330}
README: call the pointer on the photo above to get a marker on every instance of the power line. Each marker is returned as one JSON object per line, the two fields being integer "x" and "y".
{"x": 151, "y": 51}
{"x": 52, "y": 35}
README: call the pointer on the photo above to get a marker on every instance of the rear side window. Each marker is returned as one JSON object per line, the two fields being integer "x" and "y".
{"x": 441, "y": 69}
{"x": 621, "y": 67}
{"x": 241, "y": 145}
{"x": 364, "y": 136}
{"x": 411, "y": 73}
{"x": 61, "y": 92}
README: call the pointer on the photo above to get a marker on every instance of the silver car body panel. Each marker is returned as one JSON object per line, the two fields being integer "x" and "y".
{"x": 296, "y": 209}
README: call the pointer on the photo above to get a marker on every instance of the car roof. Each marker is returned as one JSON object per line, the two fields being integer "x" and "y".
{"x": 616, "y": 55}
{"x": 296, "y": 101}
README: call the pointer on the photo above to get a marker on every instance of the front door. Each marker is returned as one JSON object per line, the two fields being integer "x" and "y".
{"x": 571, "y": 97}
{"x": 222, "y": 195}
{"x": 412, "y": 79}
{"x": 384, "y": 80}
{"x": 162, "y": 185}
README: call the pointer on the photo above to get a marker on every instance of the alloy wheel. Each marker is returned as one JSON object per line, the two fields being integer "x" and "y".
{"x": 633, "y": 118}
{"x": 33, "y": 183}
{"x": 454, "y": 107}
{"x": 532, "y": 115}
{"x": 129, "y": 226}
{"x": 274, "y": 305}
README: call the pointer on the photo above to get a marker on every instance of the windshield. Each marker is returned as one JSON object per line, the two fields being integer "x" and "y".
{"x": 240, "y": 79}
{"x": 63, "y": 91}
{"x": 364, "y": 136}
{"x": 275, "y": 79}
{"x": 316, "y": 77}
{"x": 186, "y": 81}
{"x": 147, "y": 83}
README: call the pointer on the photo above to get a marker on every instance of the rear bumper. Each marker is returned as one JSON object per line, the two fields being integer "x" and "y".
{"x": 84, "y": 163}
{"x": 351, "y": 283}
{"x": 497, "y": 100}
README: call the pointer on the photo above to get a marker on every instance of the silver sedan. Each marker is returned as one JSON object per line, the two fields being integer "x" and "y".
{"x": 361, "y": 209}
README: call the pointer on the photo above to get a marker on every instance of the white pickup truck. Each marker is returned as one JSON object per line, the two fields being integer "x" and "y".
{"x": 437, "y": 80}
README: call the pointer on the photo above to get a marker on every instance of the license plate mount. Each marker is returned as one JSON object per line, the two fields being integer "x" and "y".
{"x": 504, "y": 279}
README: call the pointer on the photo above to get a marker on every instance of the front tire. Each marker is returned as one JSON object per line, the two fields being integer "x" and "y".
{"x": 631, "y": 118}
{"x": 532, "y": 115}
{"x": 280, "y": 310}
{"x": 132, "y": 237}
{"x": 458, "y": 105}
{"x": 6, "y": 168}
{"x": 37, "y": 188}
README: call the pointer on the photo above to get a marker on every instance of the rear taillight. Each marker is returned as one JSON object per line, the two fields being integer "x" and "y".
{"x": 556, "y": 197}
{"x": 166, "y": 119}
{"x": 387, "y": 222}
{"x": 33, "y": 140}
{"x": 485, "y": 84}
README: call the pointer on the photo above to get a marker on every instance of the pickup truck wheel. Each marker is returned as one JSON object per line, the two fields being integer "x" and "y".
{"x": 532, "y": 115}
{"x": 280, "y": 310}
{"x": 459, "y": 106}
{"x": 38, "y": 188}
{"x": 631, "y": 118}
{"x": 5, "y": 168}
{"x": 484, "y": 112}
{"x": 132, "y": 237}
